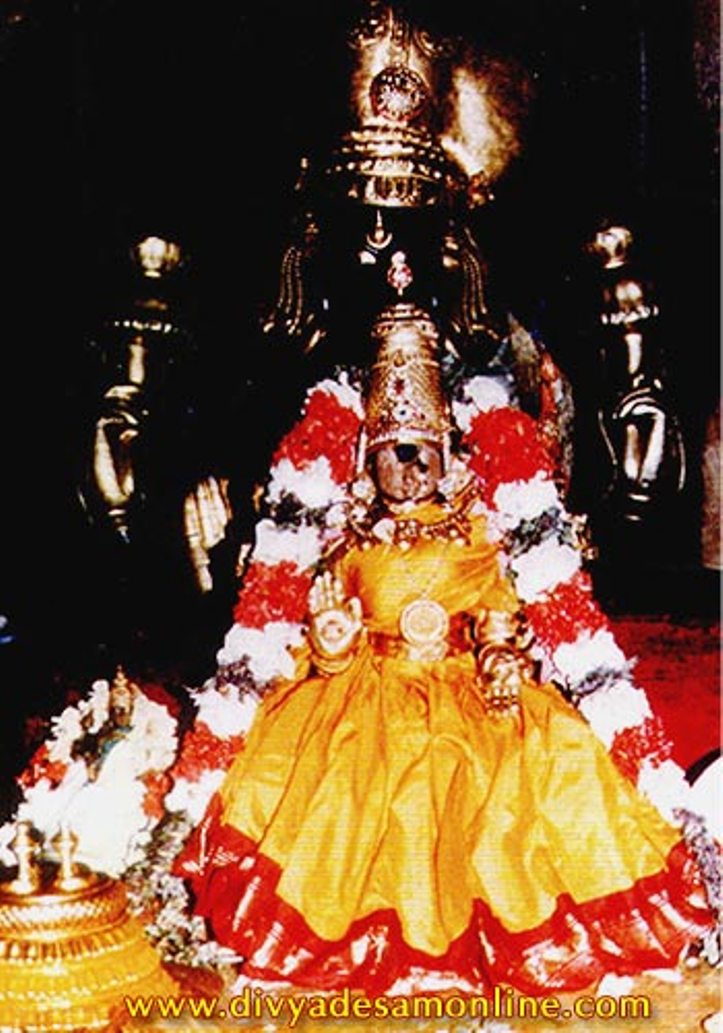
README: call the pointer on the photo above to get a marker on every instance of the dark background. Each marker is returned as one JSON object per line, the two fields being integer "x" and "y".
{"x": 126, "y": 117}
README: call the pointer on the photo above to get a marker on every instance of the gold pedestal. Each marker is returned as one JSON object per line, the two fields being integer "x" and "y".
{"x": 70, "y": 953}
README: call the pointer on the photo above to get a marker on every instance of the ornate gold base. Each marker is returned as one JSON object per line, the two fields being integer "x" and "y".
{"x": 68, "y": 960}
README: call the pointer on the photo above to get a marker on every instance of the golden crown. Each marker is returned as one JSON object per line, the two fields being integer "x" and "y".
{"x": 428, "y": 119}
{"x": 406, "y": 400}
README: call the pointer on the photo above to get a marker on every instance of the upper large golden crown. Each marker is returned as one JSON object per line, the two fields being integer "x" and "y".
{"x": 428, "y": 118}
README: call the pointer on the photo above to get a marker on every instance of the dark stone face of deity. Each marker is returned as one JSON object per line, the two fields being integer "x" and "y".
{"x": 407, "y": 472}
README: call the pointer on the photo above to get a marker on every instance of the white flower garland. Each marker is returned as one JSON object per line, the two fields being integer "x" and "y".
{"x": 103, "y": 807}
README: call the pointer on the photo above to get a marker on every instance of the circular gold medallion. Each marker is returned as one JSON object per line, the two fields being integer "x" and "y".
{"x": 398, "y": 93}
{"x": 424, "y": 622}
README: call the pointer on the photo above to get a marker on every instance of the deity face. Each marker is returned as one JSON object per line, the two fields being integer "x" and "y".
{"x": 407, "y": 472}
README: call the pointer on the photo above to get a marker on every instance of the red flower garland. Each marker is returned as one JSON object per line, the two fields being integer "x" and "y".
{"x": 328, "y": 429}
{"x": 644, "y": 742}
{"x": 505, "y": 445}
{"x": 570, "y": 609}
{"x": 204, "y": 751}
{"x": 272, "y": 593}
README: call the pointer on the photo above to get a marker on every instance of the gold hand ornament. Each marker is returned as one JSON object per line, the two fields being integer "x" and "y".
{"x": 503, "y": 666}
{"x": 502, "y": 672}
{"x": 206, "y": 515}
{"x": 116, "y": 432}
{"x": 335, "y": 624}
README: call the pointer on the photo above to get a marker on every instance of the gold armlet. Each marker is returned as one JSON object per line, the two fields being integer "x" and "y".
{"x": 328, "y": 663}
{"x": 498, "y": 627}
{"x": 495, "y": 627}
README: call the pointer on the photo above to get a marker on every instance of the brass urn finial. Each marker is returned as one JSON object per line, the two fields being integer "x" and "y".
{"x": 24, "y": 846}
{"x": 68, "y": 876}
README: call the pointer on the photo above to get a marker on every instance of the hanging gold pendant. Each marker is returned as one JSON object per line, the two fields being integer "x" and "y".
{"x": 424, "y": 626}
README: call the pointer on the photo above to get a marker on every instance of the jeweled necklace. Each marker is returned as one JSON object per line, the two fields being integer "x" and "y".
{"x": 373, "y": 526}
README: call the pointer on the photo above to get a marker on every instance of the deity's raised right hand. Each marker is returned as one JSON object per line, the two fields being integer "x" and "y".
{"x": 335, "y": 620}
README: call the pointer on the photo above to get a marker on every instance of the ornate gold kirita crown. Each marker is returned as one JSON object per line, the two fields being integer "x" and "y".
{"x": 428, "y": 119}
{"x": 406, "y": 401}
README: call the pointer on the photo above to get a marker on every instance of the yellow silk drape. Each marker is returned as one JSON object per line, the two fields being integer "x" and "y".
{"x": 388, "y": 786}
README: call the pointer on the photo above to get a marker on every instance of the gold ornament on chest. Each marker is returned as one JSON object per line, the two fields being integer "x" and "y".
{"x": 424, "y": 626}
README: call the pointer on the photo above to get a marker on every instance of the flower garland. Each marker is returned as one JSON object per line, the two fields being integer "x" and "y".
{"x": 303, "y": 512}
{"x": 543, "y": 547}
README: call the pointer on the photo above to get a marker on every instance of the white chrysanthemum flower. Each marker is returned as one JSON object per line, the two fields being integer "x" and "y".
{"x": 151, "y": 741}
{"x": 541, "y": 568}
{"x": 301, "y": 545}
{"x": 66, "y": 727}
{"x": 266, "y": 651}
{"x": 666, "y": 787}
{"x": 192, "y": 798}
{"x": 614, "y": 709}
{"x": 46, "y": 806}
{"x": 480, "y": 394}
{"x": 97, "y": 703}
{"x": 106, "y": 816}
{"x": 312, "y": 484}
{"x": 274, "y": 659}
{"x": 588, "y": 653}
{"x": 516, "y": 501}
{"x": 224, "y": 713}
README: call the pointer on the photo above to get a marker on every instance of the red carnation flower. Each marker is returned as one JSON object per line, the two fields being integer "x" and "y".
{"x": 204, "y": 751}
{"x": 41, "y": 766}
{"x": 327, "y": 428}
{"x": 157, "y": 784}
{"x": 567, "y": 612}
{"x": 633, "y": 746}
{"x": 272, "y": 593}
{"x": 506, "y": 445}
